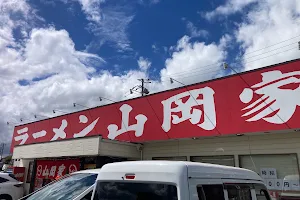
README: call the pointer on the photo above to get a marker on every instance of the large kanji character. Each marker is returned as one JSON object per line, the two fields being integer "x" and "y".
{"x": 125, "y": 127}
{"x": 186, "y": 110}
{"x": 278, "y": 97}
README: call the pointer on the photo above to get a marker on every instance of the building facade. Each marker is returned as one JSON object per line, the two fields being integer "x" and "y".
{"x": 248, "y": 120}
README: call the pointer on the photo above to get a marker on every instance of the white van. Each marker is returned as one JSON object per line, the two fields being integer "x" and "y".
{"x": 176, "y": 180}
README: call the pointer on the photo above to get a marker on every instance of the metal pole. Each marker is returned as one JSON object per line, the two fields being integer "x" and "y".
{"x": 142, "y": 86}
{"x": 2, "y": 150}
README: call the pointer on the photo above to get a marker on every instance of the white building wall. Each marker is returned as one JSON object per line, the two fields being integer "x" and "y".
{"x": 275, "y": 143}
{"x": 119, "y": 149}
{"x": 74, "y": 147}
{"x": 77, "y": 147}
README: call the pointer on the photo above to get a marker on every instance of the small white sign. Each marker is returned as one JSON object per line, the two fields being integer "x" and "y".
{"x": 268, "y": 173}
{"x": 295, "y": 185}
{"x": 272, "y": 173}
{"x": 264, "y": 173}
{"x": 287, "y": 185}
{"x": 270, "y": 184}
{"x": 278, "y": 184}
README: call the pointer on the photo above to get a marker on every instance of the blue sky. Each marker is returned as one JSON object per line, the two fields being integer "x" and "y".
{"x": 153, "y": 28}
{"x": 57, "y": 52}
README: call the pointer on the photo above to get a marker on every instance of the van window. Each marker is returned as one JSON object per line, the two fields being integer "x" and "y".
{"x": 239, "y": 192}
{"x": 210, "y": 192}
{"x": 134, "y": 191}
{"x": 261, "y": 192}
{"x": 67, "y": 188}
{"x": 88, "y": 196}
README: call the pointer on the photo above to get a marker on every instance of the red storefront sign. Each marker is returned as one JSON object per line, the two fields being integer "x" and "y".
{"x": 19, "y": 173}
{"x": 49, "y": 170}
{"x": 257, "y": 101}
{"x": 55, "y": 169}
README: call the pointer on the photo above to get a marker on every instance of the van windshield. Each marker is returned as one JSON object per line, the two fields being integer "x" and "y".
{"x": 134, "y": 191}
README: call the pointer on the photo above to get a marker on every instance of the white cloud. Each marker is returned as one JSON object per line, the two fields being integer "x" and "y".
{"x": 189, "y": 61}
{"x": 71, "y": 77}
{"x": 155, "y": 48}
{"x": 70, "y": 81}
{"x": 48, "y": 52}
{"x": 113, "y": 27}
{"x": 230, "y": 7}
{"x": 92, "y": 9}
{"x": 108, "y": 22}
{"x": 144, "y": 63}
{"x": 195, "y": 32}
{"x": 148, "y": 2}
{"x": 268, "y": 23}
{"x": 155, "y": 1}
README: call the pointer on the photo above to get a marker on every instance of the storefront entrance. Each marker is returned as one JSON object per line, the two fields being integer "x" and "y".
{"x": 48, "y": 170}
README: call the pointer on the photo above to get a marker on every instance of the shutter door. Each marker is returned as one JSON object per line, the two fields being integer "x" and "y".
{"x": 219, "y": 160}
{"x": 284, "y": 164}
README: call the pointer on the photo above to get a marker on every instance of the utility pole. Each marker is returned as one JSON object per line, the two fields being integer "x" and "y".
{"x": 1, "y": 150}
{"x": 142, "y": 80}
{"x": 142, "y": 86}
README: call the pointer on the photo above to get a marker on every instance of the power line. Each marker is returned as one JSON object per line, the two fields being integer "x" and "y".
{"x": 271, "y": 55}
{"x": 245, "y": 54}
{"x": 198, "y": 69}
{"x": 192, "y": 72}
{"x": 269, "y": 51}
{"x": 272, "y": 45}
{"x": 202, "y": 66}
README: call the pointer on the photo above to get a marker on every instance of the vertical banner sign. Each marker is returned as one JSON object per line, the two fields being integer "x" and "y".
{"x": 19, "y": 173}
{"x": 50, "y": 170}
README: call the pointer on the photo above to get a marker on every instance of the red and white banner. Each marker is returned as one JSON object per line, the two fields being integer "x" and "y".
{"x": 257, "y": 101}
{"x": 19, "y": 173}
{"x": 50, "y": 170}
{"x": 53, "y": 169}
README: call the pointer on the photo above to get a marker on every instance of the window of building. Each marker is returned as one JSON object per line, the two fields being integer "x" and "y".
{"x": 210, "y": 192}
{"x": 220, "y": 160}
{"x": 280, "y": 172}
{"x": 175, "y": 158}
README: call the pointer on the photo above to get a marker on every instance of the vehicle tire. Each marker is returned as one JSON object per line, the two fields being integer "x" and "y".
{"x": 5, "y": 197}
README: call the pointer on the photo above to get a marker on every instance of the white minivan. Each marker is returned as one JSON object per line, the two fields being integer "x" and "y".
{"x": 176, "y": 180}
